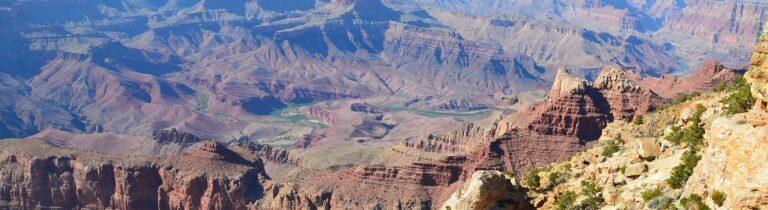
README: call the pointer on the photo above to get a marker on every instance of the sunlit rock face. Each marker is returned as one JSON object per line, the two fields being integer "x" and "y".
{"x": 757, "y": 76}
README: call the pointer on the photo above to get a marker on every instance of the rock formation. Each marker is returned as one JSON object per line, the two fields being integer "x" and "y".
{"x": 646, "y": 166}
{"x": 626, "y": 98}
{"x": 321, "y": 114}
{"x": 486, "y": 190}
{"x": 568, "y": 121}
{"x": 757, "y": 75}
{"x": 668, "y": 86}
{"x": 576, "y": 107}
{"x": 37, "y": 173}
{"x": 367, "y": 108}
{"x": 572, "y": 108}
{"x": 270, "y": 153}
{"x": 174, "y": 136}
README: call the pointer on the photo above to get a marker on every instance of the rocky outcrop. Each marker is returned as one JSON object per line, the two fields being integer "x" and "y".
{"x": 637, "y": 164}
{"x": 458, "y": 141}
{"x": 626, "y": 98}
{"x": 519, "y": 150}
{"x": 413, "y": 186}
{"x": 485, "y": 190}
{"x": 668, "y": 86}
{"x": 175, "y": 136}
{"x": 733, "y": 162}
{"x": 367, "y": 108}
{"x": 417, "y": 174}
{"x": 321, "y": 114}
{"x": 36, "y": 173}
{"x": 568, "y": 121}
{"x": 757, "y": 75}
{"x": 270, "y": 153}
{"x": 572, "y": 108}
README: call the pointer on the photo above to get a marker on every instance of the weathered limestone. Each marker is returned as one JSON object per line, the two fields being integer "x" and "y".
{"x": 482, "y": 191}
{"x": 649, "y": 148}
{"x": 635, "y": 170}
{"x": 757, "y": 76}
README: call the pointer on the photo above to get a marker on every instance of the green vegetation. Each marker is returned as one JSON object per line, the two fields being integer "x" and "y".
{"x": 669, "y": 206}
{"x": 683, "y": 97}
{"x": 651, "y": 194}
{"x": 740, "y": 100}
{"x": 565, "y": 200}
{"x": 680, "y": 173}
{"x": 611, "y": 147}
{"x": 693, "y": 202}
{"x": 590, "y": 190}
{"x": 559, "y": 176}
{"x": 720, "y": 86}
{"x": 447, "y": 207}
{"x": 638, "y": 120}
{"x": 532, "y": 178}
{"x": 718, "y": 197}
{"x": 693, "y": 135}
{"x": 675, "y": 136}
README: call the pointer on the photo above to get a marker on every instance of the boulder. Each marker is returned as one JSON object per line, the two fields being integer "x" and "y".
{"x": 648, "y": 148}
{"x": 482, "y": 191}
{"x": 635, "y": 170}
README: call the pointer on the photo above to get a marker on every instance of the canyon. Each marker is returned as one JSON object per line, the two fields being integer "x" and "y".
{"x": 359, "y": 104}
{"x": 274, "y": 178}
{"x": 651, "y": 164}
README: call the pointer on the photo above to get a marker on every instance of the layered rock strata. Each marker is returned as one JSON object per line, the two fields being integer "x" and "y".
{"x": 38, "y": 174}
{"x": 625, "y": 97}
{"x": 668, "y": 86}
{"x": 572, "y": 108}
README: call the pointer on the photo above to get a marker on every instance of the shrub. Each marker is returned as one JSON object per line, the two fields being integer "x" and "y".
{"x": 638, "y": 120}
{"x": 720, "y": 86}
{"x": 651, "y": 194}
{"x": 590, "y": 190}
{"x": 565, "y": 200}
{"x": 680, "y": 173}
{"x": 558, "y": 177}
{"x": 718, "y": 197}
{"x": 610, "y": 148}
{"x": 693, "y": 201}
{"x": 692, "y": 135}
{"x": 737, "y": 82}
{"x": 532, "y": 178}
{"x": 676, "y": 136}
{"x": 683, "y": 97}
{"x": 740, "y": 101}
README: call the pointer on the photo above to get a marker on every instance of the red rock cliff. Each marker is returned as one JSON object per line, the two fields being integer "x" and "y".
{"x": 36, "y": 173}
